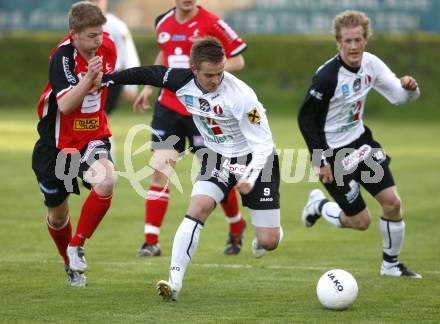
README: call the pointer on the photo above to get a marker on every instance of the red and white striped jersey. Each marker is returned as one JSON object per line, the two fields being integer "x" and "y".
{"x": 88, "y": 121}
{"x": 175, "y": 41}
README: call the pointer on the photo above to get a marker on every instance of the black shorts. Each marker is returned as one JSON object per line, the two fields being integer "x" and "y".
{"x": 265, "y": 194}
{"x": 58, "y": 180}
{"x": 166, "y": 123}
{"x": 345, "y": 190}
{"x": 114, "y": 92}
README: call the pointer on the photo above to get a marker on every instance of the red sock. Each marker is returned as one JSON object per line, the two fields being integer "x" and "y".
{"x": 232, "y": 212}
{"x": 61, "y": 236}
{"x": 155, "y": 208}
{"x": 92, "y": 212}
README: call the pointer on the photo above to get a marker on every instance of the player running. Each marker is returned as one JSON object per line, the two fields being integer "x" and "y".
{"x": 74, "y": 135}
{"x": 239, "y": 150}
{"x": 343, "y": 149}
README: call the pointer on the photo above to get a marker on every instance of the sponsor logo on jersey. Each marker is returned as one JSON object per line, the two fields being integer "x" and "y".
{"x": 67, "y": 72}
{"x": 204, "y": 105}
{"x": 234, "y": 168}
{"x": 189, "y": 101}
{"x": 345, "y": 90}
{"x": 178, "y": 38}
{"x": 215, "y": 96}
{"x": 218, "y": 110}
{"x": 357, "y": 85}
{"x": 86, "y": 124}
{"x": 266, "y": 199}
{"x": 108, "y": 68}
{"x": 163, "y": 37}
{"x": 254, "y": 116}
{"x": 316, "y": 94}
{"x": 357, "y": 156}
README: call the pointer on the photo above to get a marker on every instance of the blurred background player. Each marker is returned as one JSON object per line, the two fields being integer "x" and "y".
{"x": 127, "y": 58}
{"x": 176, "y": 30}
{"x": 331, "y": 118}
{"x": 72, "y": 120}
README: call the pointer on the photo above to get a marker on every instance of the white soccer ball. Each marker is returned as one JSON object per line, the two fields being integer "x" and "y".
{"x": 337, "y": 289}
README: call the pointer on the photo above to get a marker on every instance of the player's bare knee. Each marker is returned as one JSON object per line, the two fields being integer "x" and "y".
{"x": 269, "y": 243}
{"x": 392, "y": 207}
{"x": 57, "y": 217}
{"x": 159, "y": 179}
{"x": 106, "y": 186}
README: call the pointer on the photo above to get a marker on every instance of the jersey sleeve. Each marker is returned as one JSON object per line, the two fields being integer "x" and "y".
{"x": 388, "y": 85}
{"x": 232, "y": 43}
{"x": 255, "y": 127}
{"x": 62, "y": 77}
{"x": 313, "y": 112}
{"x": 156, "y": 75}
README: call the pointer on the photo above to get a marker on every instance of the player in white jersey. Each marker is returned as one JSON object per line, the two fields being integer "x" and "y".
{"x": 239, "y": 150}
{"x": 343, "y": 149}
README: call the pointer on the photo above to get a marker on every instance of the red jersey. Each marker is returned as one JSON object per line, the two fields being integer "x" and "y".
{"x": 88, "y": 121}
{"x": 175, "y": 41}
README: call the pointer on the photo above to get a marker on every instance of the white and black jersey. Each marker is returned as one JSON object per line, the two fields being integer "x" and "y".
{"x": 231, "y": 119}
{"x": 331, "y": 114}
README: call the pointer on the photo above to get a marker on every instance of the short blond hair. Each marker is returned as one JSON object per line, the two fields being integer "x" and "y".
{"x": 85, "y": 14}
{"x": 351, "y": 18}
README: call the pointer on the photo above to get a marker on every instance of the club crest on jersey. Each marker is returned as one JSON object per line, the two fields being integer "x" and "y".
{"x": 357, "y": 85}
{"x": 345, "y": 90}
{"x": 368, "y": 79}
{"x": 254, "y": 116}
{"x": 163, "y": 37}
{"x": 218, "y": 110}
{"x": 86, "y": 124}
{"x": 204, "y": 105}
{"x": 189, "y": 102}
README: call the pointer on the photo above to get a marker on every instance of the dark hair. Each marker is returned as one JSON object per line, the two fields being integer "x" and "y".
{"x": 207, "y": 49}
{"x": 85, "y": 14}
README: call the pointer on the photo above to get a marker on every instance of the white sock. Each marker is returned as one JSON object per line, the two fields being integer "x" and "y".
{"x": 332, "y": 213}
{"x": 393, "y": 234}
{"x": 184, "y": 247}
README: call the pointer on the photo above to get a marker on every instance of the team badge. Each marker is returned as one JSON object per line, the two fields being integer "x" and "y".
{"x": 253, "y": 116}
{"x": 204, "y": 105}
{"x": 218, "y": 110}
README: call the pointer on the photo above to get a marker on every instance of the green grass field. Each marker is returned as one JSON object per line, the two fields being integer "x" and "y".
{"x": 277, "y": 288}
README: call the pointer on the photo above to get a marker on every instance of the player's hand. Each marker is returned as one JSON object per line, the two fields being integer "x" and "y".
{"x": 142, "y": 102}
{"x": 244, "y": 186}
{"x": 408, "y": 83}
{"x": 94, "y": 67}
{"x": 325, "y": 174}
{"x": 96, "y": 83}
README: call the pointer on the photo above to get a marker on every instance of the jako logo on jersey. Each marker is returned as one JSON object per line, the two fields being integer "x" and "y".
{"x": 86, "y": 124}
{"x": 189, "y": 102}
{"x": 316, "y": 94}
{"x": 218, "y": 110}
{"x": 165, "y": 77}
{"x": 67, "y": 72}
{"x": 204, "y": 105}
{"x": 345, "y": 90}
{"x": 357, "y": 85}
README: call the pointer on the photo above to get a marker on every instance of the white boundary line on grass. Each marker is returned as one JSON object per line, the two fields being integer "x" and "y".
{"x": 220, "y": 265}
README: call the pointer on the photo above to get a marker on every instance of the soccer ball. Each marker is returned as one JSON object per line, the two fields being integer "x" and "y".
{"x": 337, "y": 289}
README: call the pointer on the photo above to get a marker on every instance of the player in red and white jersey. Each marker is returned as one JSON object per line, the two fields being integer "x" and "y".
{"x": 74, "y": 135}
{"x": 176, "y": 30}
